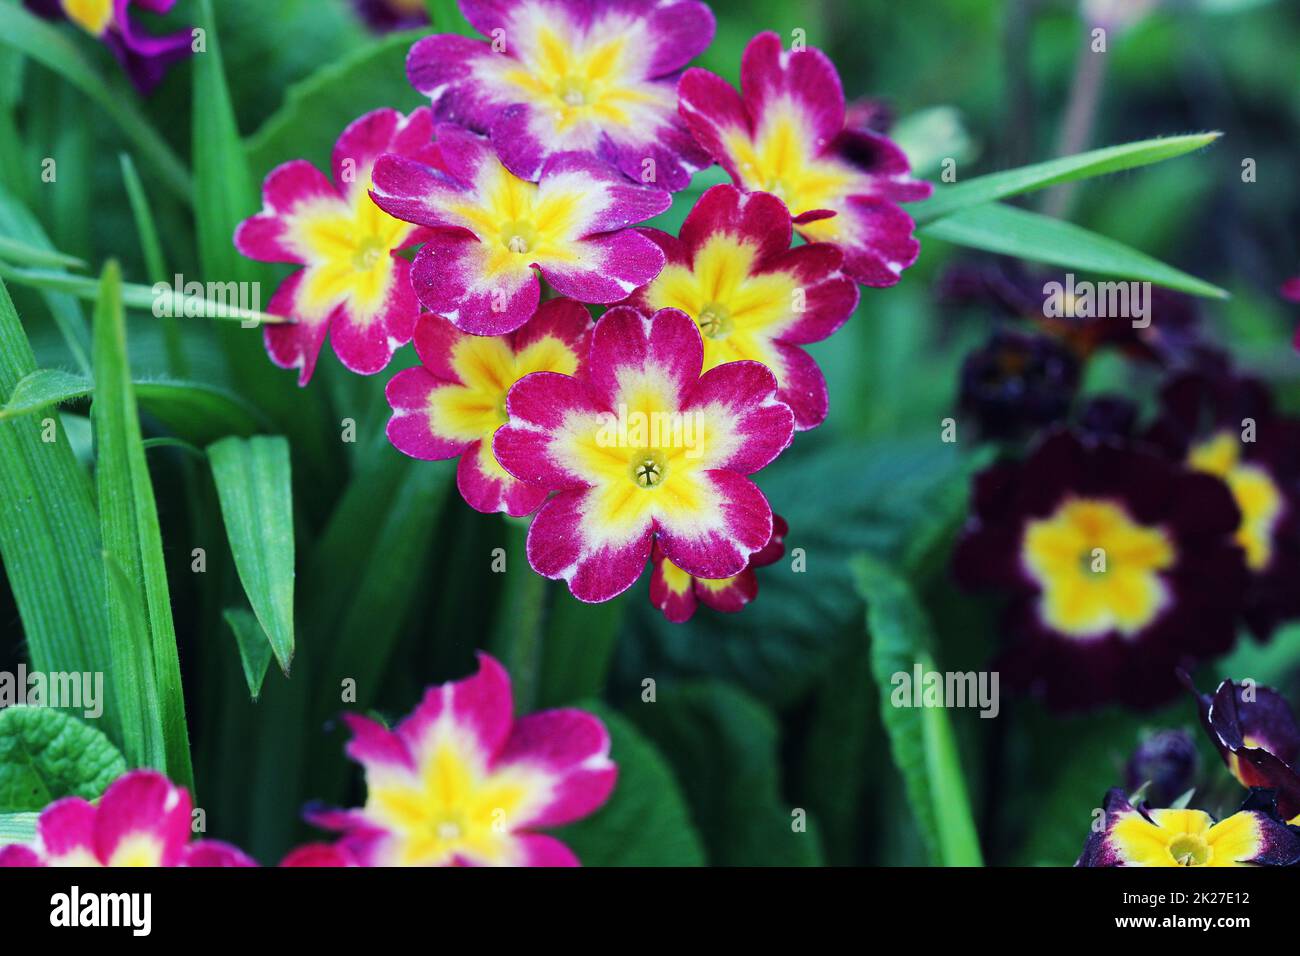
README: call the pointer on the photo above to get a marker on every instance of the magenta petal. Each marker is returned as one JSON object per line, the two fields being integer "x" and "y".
{"x": 877, "y": 241}
{"x": 743, "y": 525}
{"x": 448, "y": 276}
{"x": 612, "y": 266}
{"x": 318, "y": 854}
{"x": 67, "y": 827}
{"x": 539, "y": 406}
{"x": 623, "y": 204}
{"x": 442, "y": 67}
{"x": 738, "y": 592}
{"x": 536, "y": 849}
{"x": 712, "y": 108}
{"x": 370, "y": 136}
{"x": 571, "y": 747}
{"x": 488, "y": 491}
{"x": 759, "y": 219}
{"x": 803, "y": 386}
{"x": 481, "y": 706}
{"x": 597, "y": 569}
{"x": 214, "y": 853}
{"x": 677, "y": 606}
{"x": 285, "y": 188}
{"x": 667, "y": 347}
{"x": 410, "y": 429}
{"x": 770, "y": 75}
{"x": 830, "y": 296}
{"x": 374, "y": 745}
{"x": 436, "y": 341}
{"x": 294, "y": 344}
{"x": 143, "y": 803}
{"x": 365, "y": 345}
{"x": 739, "y": 398}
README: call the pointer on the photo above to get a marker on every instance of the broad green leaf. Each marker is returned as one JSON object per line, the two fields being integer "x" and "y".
{"x": 1013, "y": 182}
{"x": 252, "y": 478}
{"x": 316, "y": 110}
{"x": 132, "y": 539}
{"x": 645, "y": 821}
{"x": 46, "y": 754}
{"x": 254, "y": 648}
{"x": 147, "y": 298}
{"x": 723, "y": 746}
{"x": 1029, "y": 235}
{"x": 921, "y": 738}
{"x": 54, "y": 48}
{"x": 49, "y": 533}
{"x": 445, "y": 17}
{"x": 21, "y": 254}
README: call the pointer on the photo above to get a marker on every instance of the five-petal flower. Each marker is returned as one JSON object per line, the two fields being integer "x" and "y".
{"x": 142, "y": 819}
{"x": 572, "y": 76}
{"x": 677, "y": 594}
{"x": 785, "y": 133}
{"x": 461, "y": 781}
{"x": 455, "y": 400}
{"x": 644, "y": 448}
{"x": 732, "y": 270}
{"x": 491, "y": 229}
{"x": 355, "y": 286}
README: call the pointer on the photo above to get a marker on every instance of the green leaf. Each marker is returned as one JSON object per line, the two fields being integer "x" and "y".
{"x": 46, "y": 754}
{"x": 143, "y": 297}
{"x": 52, "y": 47}
{"x": 197, "y": 412}
{"x": 133, "y": 544}
{"x": 318, "y": 108}
{"x": 155, "y": 266}
{"x": 646, "y": 821}
{"x": 1029, "y": 235}
{"x": 578, "y": 647}
{"x": 1013, "y": 182}
{"x": 723, "y": 746}
{"x": 517, "y": 634}
{"x": 252, "y": 478}
{"x": 41, "y": 389}
{"x": 20, "y": 253}
{"x": 49, "y": 533}
{"x": 254, "y": 648}
{"x": 445, "y": 17}
{"x": 921, "y": 738}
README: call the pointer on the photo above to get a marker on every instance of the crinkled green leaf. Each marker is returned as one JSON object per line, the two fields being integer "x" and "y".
{"x": 46, "y": 754}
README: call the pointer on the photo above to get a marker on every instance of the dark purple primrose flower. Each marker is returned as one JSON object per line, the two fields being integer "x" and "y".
{"x": 384, "y": 16}
{"x": 1165, "y": 762}
{"x": 1120, "y": 565}
{"x": 1108, "y": 418}
{"x": 1257, "y": 737}
{"x": 1018, "y": 382}
{"x": 1224, "y": 424}
{"x": 145, "y": 58}
{"x": 1141, "y": 836}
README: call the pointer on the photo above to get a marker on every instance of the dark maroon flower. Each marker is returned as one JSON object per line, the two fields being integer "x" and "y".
{"x": 1224, "y": 424}
{"x": 1120, "y": 565}
{"x": 384, "y": 16}
{"x": 1257, "y": 736}
{"x": 1018, "y": 382}
{"x": 1165, "y": 762}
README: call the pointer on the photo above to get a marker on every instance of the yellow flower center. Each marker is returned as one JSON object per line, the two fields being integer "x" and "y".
{"x": 93, "y": 16}
{"x": 1257, "y": 495}
{"x": 649, "y": 468}
{"x": 1099, "y": 570}
{"x": 1190, "y": 850}
{"x": 1186, "y": 838}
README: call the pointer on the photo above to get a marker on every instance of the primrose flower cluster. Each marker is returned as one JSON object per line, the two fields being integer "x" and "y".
{"x": 1124, "y": 547}
{"x": 459, "y": 782}
{"x": 1256, "y": 734}
{"x": 524, "y": 187}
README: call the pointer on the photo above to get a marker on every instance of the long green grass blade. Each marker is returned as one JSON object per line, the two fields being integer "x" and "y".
{"x": 48, "y": 45}
{"x": 1029, "y": 235}
{"x": 517, "y": 632}
{"x": 131, "y": 535}
{"x": 21, "y": 254}
{"x": 252, "y": 478}
{"x": 155, "y": 265}
{"x": 920, "y": 737}
{"x": 1013, "y": 182}
{"x": 49, "y": 532}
